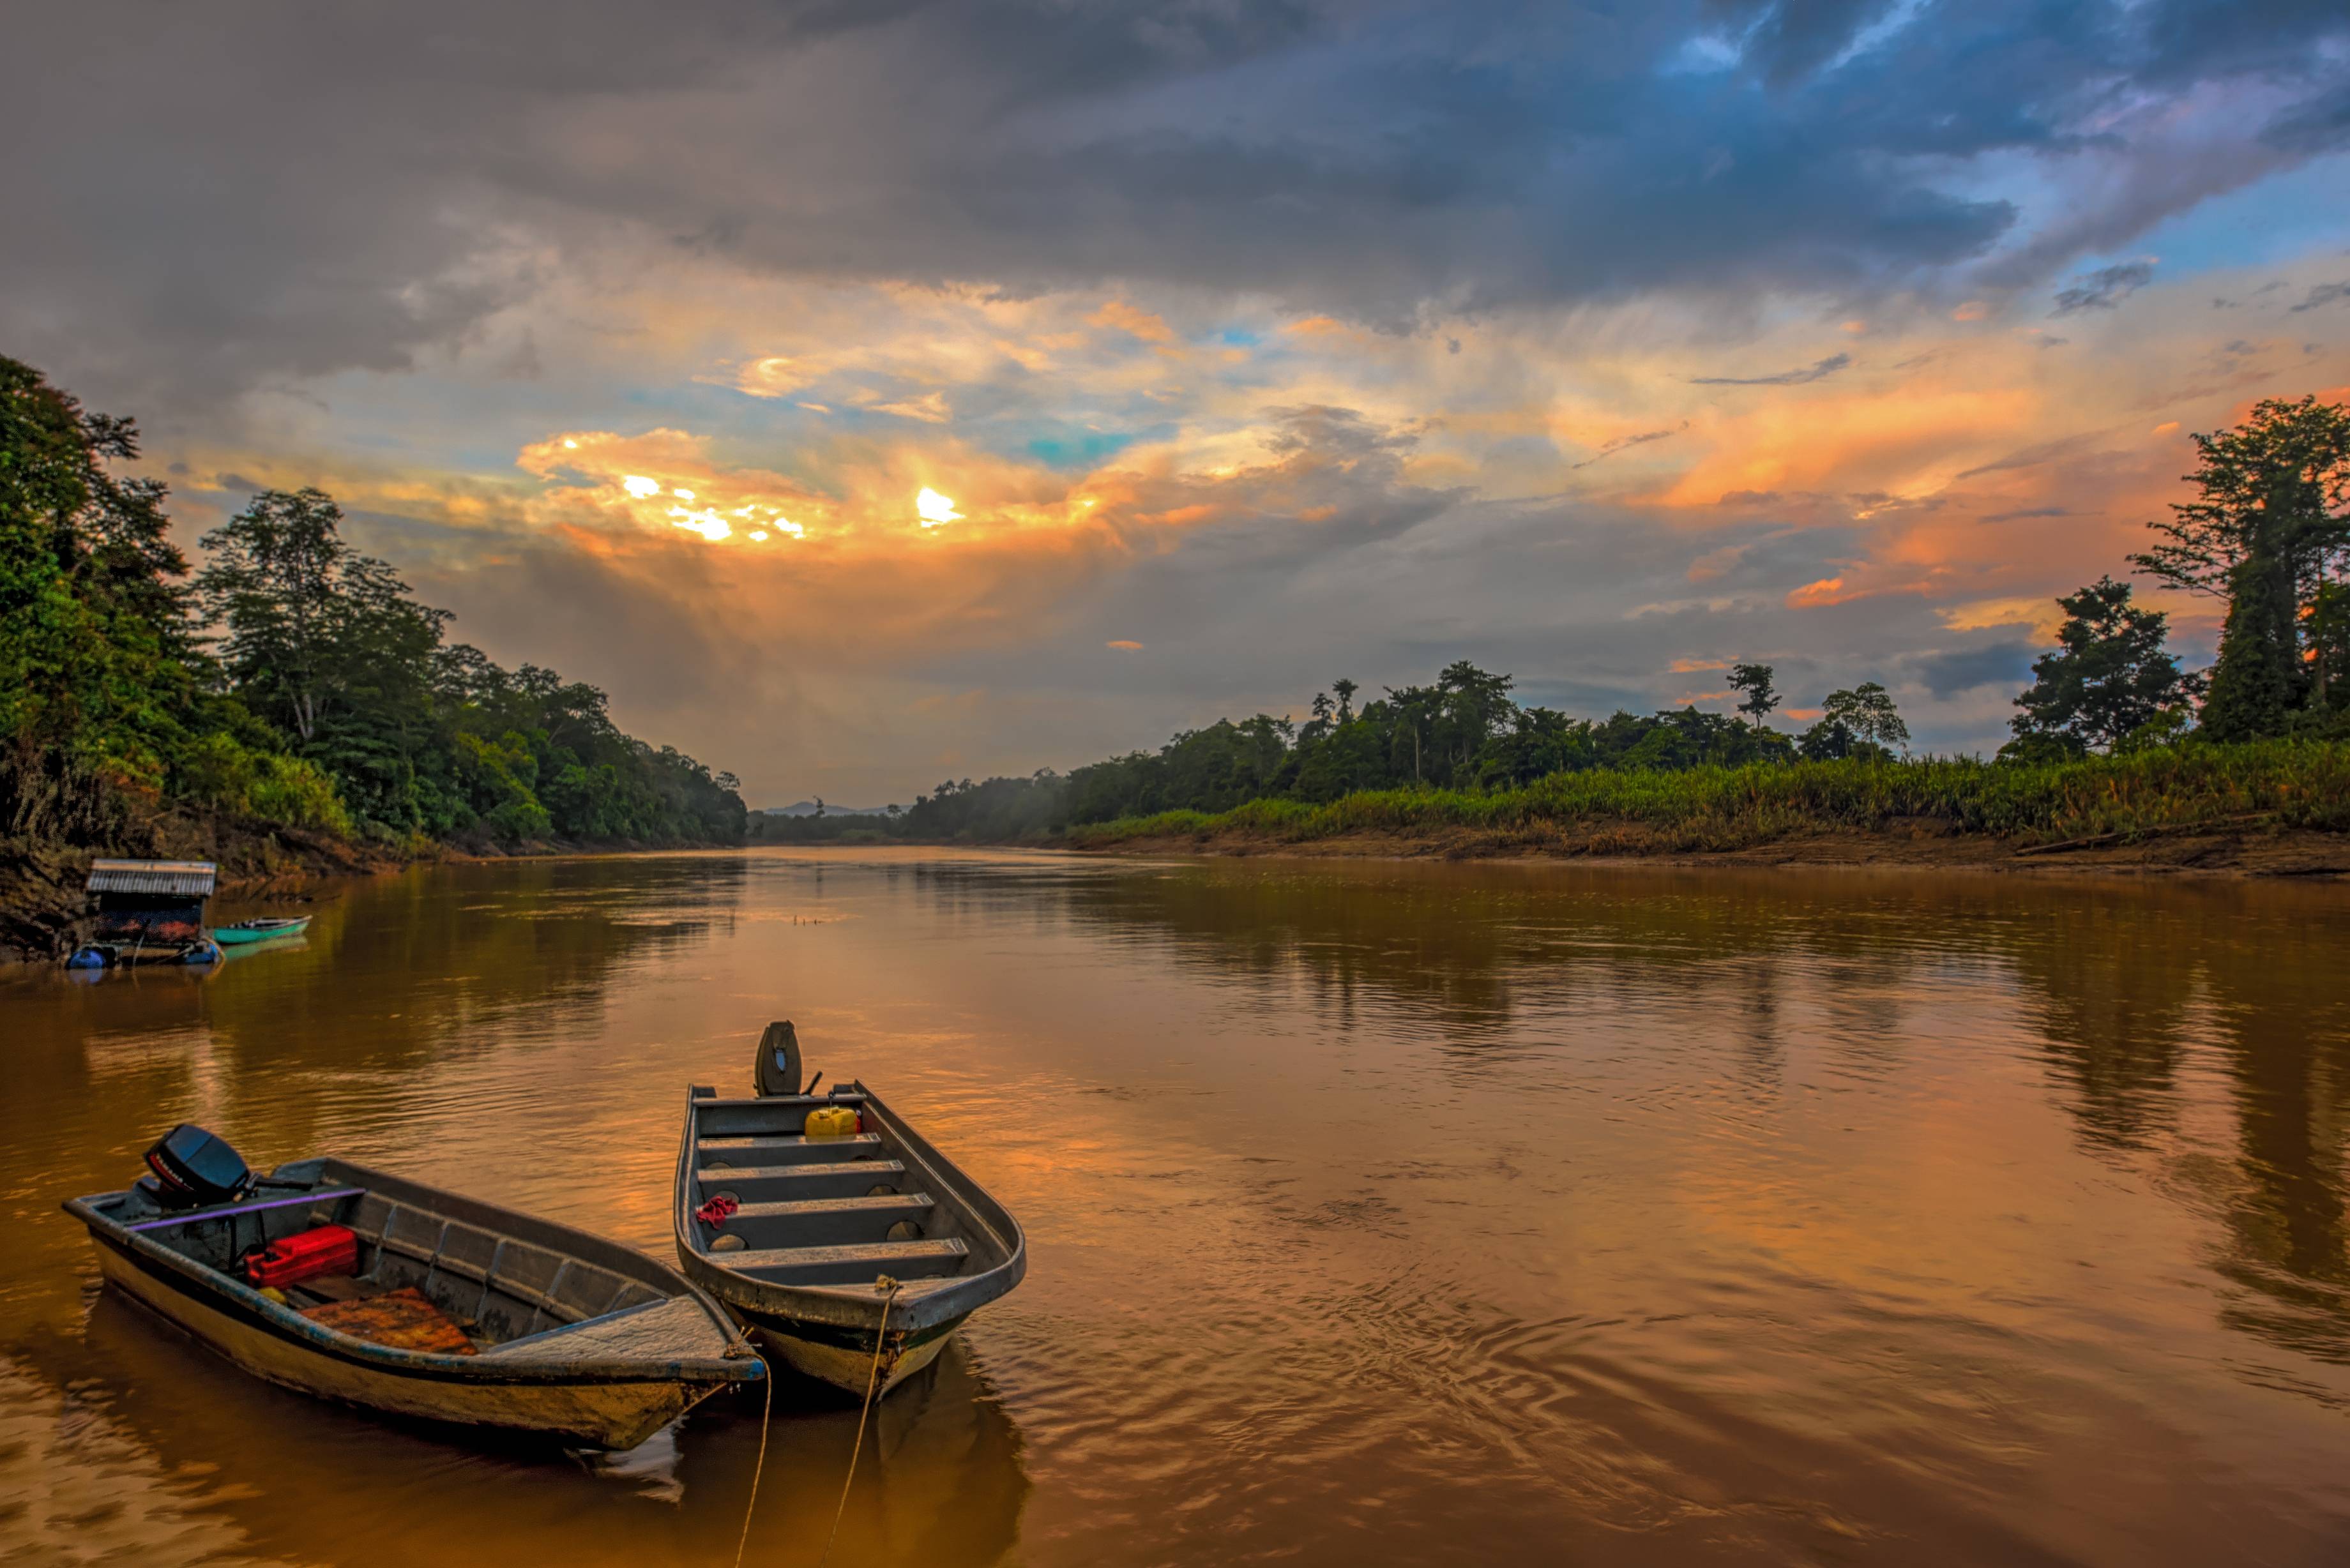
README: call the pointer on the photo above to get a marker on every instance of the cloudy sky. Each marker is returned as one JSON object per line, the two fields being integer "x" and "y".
{"x": 872, "y": 391}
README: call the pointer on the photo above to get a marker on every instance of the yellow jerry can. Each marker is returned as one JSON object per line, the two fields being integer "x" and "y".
{"x": 830, "y": 1121}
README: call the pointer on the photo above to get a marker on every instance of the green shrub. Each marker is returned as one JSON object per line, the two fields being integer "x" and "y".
{"x": 219, "y": 771}
{"x": 2301, "y": 783}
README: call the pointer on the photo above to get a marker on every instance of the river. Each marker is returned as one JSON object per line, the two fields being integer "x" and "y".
{"x": 1376, "y": 1211}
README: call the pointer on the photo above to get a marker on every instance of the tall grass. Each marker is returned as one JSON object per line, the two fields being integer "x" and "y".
{"x": 2296, "y": 784}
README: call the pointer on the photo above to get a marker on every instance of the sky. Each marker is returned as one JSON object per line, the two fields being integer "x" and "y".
{"x": 873, "y": 392}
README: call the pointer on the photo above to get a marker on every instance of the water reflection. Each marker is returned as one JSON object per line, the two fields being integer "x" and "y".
{"x": 1377, "y": 1211}
{"x": 2117, "y": 978}
{"x": 942, "y": 1483}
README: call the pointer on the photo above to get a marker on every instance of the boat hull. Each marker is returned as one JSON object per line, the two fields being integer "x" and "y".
{"x": 598, "y": 1412}
{"x": 244, "y": 935}
{"x": 829, "y": 1354}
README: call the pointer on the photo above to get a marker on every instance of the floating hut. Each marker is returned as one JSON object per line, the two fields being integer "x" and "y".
{"x": 148, "y": 911}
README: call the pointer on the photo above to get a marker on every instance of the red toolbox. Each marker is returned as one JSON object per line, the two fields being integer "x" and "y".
{"x": 290, "y": 1259}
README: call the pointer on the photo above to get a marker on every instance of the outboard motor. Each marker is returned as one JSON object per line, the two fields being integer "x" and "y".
{"x": 778, "y": 1071}
{"x": 194, "y": 1168}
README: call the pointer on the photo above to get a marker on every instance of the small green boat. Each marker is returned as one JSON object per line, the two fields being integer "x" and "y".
{"x": 246, "y": 931}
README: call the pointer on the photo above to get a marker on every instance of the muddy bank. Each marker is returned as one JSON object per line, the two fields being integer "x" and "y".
{"x": 43, "y": 906}
{"x": 2224, "y": 852}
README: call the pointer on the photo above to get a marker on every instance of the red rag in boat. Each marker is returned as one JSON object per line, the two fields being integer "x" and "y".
{"x": 718, "y": 1210}
{"x": 289, "y": 1259}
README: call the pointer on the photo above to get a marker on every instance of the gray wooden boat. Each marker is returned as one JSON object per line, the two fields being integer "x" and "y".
{"x": 818, "y": 1222}
{"x": 548, "y": 1332}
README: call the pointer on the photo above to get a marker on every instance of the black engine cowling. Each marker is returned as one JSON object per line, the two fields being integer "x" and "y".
{"x": 194, "y": 1168}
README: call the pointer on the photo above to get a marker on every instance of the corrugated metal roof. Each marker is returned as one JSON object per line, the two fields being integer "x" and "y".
{"x": 190, "y": 877}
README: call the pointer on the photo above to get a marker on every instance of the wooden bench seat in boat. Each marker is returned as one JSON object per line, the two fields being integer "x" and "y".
{"x": 830, "y": 1221}
{"x": 850, "y": 1265}
{"x": 787, "y": 1150}
{"x": 764, "y": 1183}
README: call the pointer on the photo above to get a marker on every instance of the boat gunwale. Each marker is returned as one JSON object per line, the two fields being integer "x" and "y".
{"x": 206, "y": 1284}
{"x": 840, "y": 1306}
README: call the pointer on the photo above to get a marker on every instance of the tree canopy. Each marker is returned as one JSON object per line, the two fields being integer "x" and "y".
{"x": 2268, "y": 530}
{"x": 2111, "y": 676}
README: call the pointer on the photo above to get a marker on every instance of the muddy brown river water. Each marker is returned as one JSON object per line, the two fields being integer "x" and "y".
{"x": 1377, "y": 1212}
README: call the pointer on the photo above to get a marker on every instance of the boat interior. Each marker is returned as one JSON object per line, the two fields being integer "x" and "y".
{"x": 440, "y": 1283}
{"x": 826, "y": 1211}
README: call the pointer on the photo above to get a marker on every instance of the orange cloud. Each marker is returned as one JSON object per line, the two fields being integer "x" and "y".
{"x": 1814, "y": 596}
{"x": 2040, "y": 614}
{"x": 1123, "y": 643}
{"x": 1133, "y": 321}
{"x": 1912, "y": 443}
{"x": 1691, "y": 666}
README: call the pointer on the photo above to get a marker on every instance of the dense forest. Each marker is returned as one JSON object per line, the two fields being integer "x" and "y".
{"x": 2268, "y": 533}
{"x": 289, "y": 682}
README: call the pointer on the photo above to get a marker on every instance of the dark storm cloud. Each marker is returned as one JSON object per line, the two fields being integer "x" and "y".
{"x": 1815, "y": 372}
{"x": 2105, "y": 288}
{"x": 220, "y": 197}
{"x": 1948, "y": 673}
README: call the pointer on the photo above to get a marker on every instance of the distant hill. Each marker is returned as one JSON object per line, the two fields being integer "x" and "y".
{"x": 807, "y": 808}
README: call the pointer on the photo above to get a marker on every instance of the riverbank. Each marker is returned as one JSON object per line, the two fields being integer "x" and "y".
{"x": 42, "y": 901}
{"x": 2277, "y": 809}
{"x": 2215, "y": 853}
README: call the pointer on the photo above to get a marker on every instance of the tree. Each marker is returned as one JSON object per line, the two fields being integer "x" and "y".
{"x": 1867, "y": 711}
{"x": 1346, "y": 690}
{"x": 2110, "y": 677}
{"x": 1830, "y": 739}
{"x": 1475, "y": 705}
{"x": 2269, "y": 528}
{"x": 310, "y": 622}
{"x": 2329, "y": 647}
{"x": 1324, "y": 719}
{"x": 1754, "y": 679}
{"x": 97, "y": 661}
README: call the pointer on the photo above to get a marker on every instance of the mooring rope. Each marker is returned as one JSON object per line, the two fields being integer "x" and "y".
{"x": 889, "y": 1289}
{"x": 765, "y": 1409}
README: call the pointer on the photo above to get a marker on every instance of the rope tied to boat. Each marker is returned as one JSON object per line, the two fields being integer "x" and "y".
{"x": 765, "y": 1409}
{"x": 889, "y": 1289}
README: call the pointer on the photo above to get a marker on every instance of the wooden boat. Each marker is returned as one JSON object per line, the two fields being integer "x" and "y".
{"x": 818, "y": 1222}
{"x": 263, "y": 930}
{"x": 459, "y": 1311}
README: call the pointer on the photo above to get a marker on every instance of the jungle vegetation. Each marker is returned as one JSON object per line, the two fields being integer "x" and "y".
{"x": 289, "y": 682}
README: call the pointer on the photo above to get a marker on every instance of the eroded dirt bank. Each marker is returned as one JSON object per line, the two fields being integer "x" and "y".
{"x": 1927, "y": 845}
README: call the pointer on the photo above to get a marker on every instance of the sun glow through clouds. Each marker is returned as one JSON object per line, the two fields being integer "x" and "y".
{"x": 936, "y": 508}
{"x": 706, "y": 521}
{"x": 638, "y": 486}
